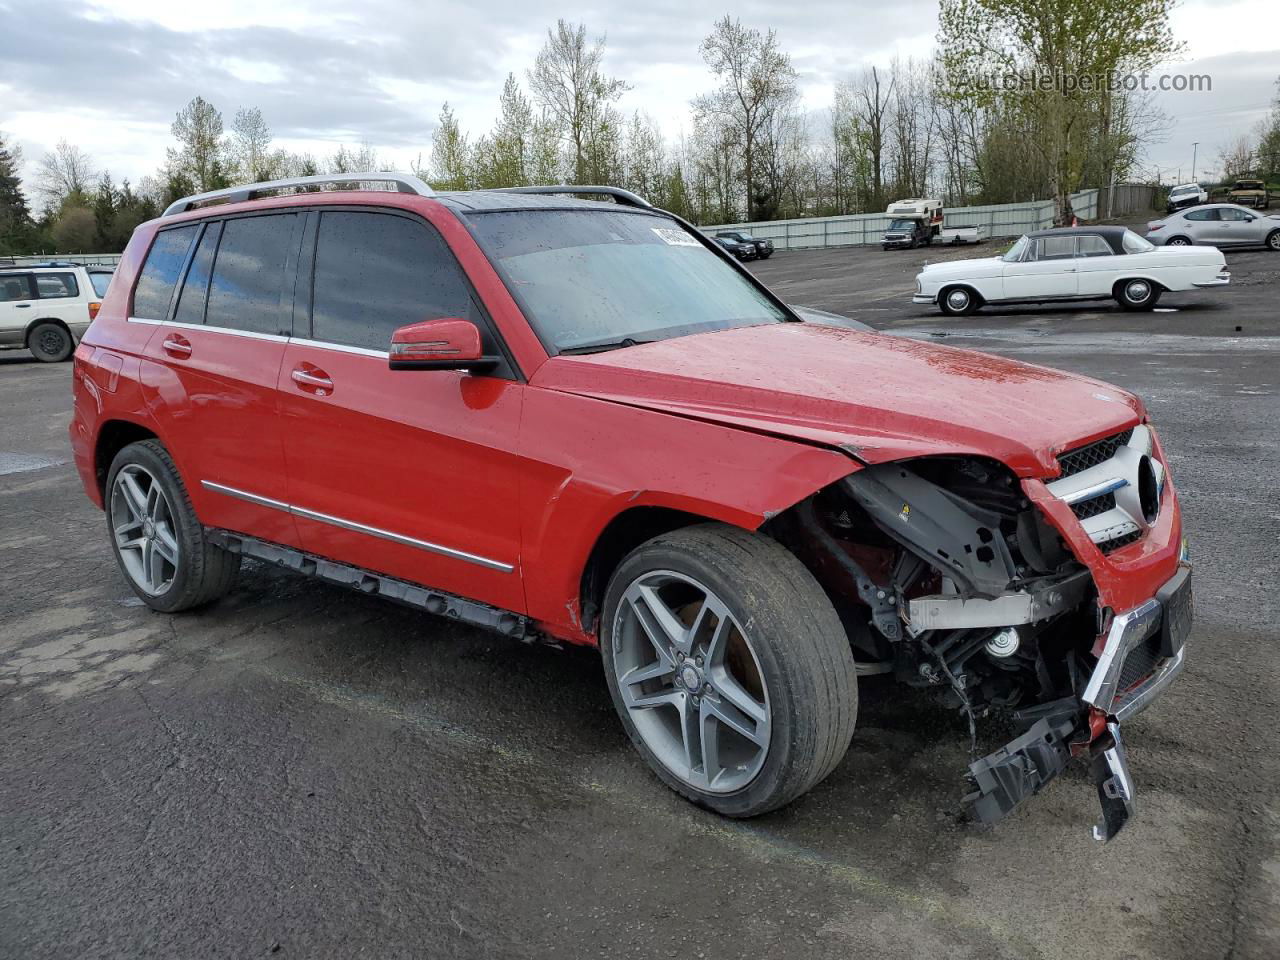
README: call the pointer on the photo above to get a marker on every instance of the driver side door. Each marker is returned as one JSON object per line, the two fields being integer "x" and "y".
{"x": 407, "y": 473}
{"x": 1047, "y": 271}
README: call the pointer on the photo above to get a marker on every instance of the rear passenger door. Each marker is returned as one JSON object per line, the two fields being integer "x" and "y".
{"x": 216, "y": 359}
{"x": 408, "y": 473}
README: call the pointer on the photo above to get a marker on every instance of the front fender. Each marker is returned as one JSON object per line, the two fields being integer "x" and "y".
{"x": 588, "y": 460}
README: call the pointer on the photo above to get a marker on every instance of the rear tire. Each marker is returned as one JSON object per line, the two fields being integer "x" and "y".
{"x": 50, "y": 342}
{"x": 958, "y": 301}
{"x": 159, "y": 543}
{"x": 1178, "y": 242}
{"x": 1273, "y": 241}
{"x": 1137, "y": 294}
{"x": 701, "y": 620}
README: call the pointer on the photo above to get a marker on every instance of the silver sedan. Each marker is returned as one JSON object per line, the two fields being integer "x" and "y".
{"x": 1217, "y": 225}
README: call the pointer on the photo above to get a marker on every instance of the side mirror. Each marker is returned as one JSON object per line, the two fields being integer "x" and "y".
{"x": 449, "y": 343}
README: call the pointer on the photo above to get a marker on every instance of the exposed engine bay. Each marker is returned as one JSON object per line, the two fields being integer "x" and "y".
{"x": 947, "y": 577}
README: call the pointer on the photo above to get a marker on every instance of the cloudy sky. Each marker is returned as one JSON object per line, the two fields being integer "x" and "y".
{"x": 109, "y": 75}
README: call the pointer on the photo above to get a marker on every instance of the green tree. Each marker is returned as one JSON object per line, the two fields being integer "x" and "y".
{"x": 201, "y": 155}
{"x": 106, "y": 200}
{"x": 1066, "y": 54}
{"x": 450, "y": 154}
{"x": 75, "y": 230}
{"x": 570, "y": 85}
{"x": 16, "y": 227}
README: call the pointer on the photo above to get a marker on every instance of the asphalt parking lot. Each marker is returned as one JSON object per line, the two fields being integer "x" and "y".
{"x": 302, "y": 771}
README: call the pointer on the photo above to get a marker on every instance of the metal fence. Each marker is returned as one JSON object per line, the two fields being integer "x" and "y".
{"x": 83, "y": 259}
{"x": 1001, "y": 220}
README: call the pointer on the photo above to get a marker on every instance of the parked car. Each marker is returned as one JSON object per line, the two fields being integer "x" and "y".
{"x": 46, "y": 307}
{"x": 1186, "y": 195}
{"x": 1071, "y": 263}
{"x": 764, "y": 248}
{"x": 739, "y": 248}
{"x": 1250, "y": 193}
{"x": 568, "y": 419}
{"x": 1217, "y": 225}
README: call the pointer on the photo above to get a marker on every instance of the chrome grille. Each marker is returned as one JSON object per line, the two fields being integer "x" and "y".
{"x": 1090, "y": 455}
{"x": 1102, "y": 482}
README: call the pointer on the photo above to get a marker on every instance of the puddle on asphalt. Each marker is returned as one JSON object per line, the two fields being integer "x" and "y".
{"x": 22, "y": 462}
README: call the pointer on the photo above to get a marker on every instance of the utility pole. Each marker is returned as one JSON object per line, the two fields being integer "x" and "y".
{"x": 1194, "y": 147}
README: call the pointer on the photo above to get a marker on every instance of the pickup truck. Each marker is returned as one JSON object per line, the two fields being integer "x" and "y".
{"x": 1250, "y": 193}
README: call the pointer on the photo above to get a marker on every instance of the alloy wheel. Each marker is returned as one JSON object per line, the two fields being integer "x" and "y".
{"x": 691, "y": 683}
{"x": 143, "y": 526}
{"x": 1179, "y": 242}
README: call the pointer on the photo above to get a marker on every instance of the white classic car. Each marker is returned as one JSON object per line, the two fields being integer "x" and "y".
{"x": 1072, "y": 263}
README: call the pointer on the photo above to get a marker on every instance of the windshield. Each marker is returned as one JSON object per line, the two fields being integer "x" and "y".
{"x": 1133, "y": 243}
{"x": 1249, "y": 185}
{"x": 100, "y": 282}
{"x": 1182, "y": 191}
{"x": 900, "y": 224}
{"x": 586, "y": 277}
{"x": 1016, "y": 251}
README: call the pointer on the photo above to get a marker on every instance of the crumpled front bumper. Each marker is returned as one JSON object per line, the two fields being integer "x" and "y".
{"x": 1143, "y": 652}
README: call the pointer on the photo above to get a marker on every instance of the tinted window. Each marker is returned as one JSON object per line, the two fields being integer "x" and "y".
{"x": 16, "y": 286}
{"x": 196, "y": 287}
{"x": 376, "y": 272}
{"x": 588, "y": 278}
{"x": 1198, "y": 215}
{"x": 160, "y": 272}
{"x": 248, "y": 279}
{"x": 1094, "y": 246}
{"x": 53, "y": 286}
{"x": 100, "y": 282}
{"x": 1230, "y": 213}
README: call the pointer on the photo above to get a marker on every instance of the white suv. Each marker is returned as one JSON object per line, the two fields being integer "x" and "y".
{"x": 47, "y": 307}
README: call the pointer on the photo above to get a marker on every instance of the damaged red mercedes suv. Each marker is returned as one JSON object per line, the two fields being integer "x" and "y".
{"x": 563, "y": 414}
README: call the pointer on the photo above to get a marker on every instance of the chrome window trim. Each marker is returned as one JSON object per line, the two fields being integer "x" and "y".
{"x": 229, "y": 331}
{"x": 357, "y": 527}
{"x": 340, "y": 347}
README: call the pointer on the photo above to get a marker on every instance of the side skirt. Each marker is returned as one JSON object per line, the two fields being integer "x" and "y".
{"x": 438, "y": 602}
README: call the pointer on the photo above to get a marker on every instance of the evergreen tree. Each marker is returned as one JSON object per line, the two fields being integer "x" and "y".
{"x": 16, "y": 228}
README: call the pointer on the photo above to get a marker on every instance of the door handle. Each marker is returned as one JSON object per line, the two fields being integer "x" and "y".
{"x": 177, "y": 346}
{"x": 22, "y": 306}
{"x": 313, "y": 379}
{"x": 1069, "y": 270}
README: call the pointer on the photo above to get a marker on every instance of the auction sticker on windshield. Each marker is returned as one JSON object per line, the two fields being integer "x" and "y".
{"x": 677, "y": 238}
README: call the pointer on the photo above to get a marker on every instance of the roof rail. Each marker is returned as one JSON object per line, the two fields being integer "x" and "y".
{"x": 625, "y": 197}
{"x": 405, "y": 183}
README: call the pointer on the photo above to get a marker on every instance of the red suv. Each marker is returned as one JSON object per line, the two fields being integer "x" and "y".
{"x": 562, "y": 417}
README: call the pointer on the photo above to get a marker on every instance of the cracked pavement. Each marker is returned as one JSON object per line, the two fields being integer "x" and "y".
{"x": 304, "y": 771}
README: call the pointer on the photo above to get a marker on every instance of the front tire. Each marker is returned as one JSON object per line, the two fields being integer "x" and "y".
{"x": 50, "y": 342}
{"x": 1137, "y": 294}
{"x": 729, "y": 668}
{"x": 958, "y": 301}
{"x": 1273, "y": 241}
{"x": 158, "y": 542}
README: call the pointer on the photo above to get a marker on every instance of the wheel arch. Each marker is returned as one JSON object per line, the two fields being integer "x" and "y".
{"x": 113, "y": 436}
{"x": 1130, "y": 277}
{"x": 56, "y": 321}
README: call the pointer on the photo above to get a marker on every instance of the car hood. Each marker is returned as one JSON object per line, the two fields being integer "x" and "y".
{"x": 877, "y": 397}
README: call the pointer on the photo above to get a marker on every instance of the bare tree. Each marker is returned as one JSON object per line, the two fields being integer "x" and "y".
{"x": 757, "y": 82}
{"x": 66, "y": 172}
{"x": 250, "y": 147}
{"x": 568, "y": 82}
